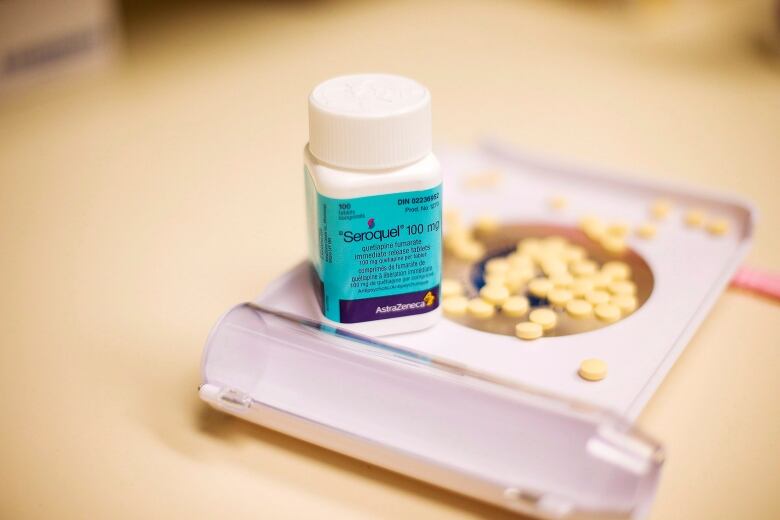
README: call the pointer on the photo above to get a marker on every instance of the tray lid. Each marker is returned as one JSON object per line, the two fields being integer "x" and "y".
{"x": 429, "y": 418}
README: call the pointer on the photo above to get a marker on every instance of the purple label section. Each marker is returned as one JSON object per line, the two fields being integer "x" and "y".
{"x": 384, "y": 307}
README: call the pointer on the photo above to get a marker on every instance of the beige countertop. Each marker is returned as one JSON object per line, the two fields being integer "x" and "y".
{"x": 137, "y": 205}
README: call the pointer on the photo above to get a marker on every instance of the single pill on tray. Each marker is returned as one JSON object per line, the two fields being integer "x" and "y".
{"x": 455, "y": 305}
{"x": 660, "y": 208}
{"x": 607, "y": 312}
{"x": 622, "y": 288}
{"x": 544, "y": 317}
{"x": 627, "y": 303}
{"x": 515, "y": 306}
{"x": 481, "y": 309}
{"x": 593, "y": 370}
{"x": 451, "y": 287}
{"x": 497, "y": 265}
{"x": 487, "y": 224}
{"x": 583, "y": 268}
{"x": 558, "y": 202}
{"x": 539, "y": 287}
{"x": 494, "y": 293}
{"x": 646, "y": 230}
{"x": 694, "y": 217}
{"x": 559, "y": 297}
{"x": 597, "y": 297}
{"x": 578, "y": 308}
{"x": 528, "y": 330}
{"x": 718, "y": 226}
{"x": 617, "y": 270}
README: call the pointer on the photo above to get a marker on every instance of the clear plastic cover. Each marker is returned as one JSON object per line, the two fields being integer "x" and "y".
{"x": 431, "y": 419}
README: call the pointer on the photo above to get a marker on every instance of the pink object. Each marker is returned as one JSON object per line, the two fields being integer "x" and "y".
{"x": 761, "y": 282}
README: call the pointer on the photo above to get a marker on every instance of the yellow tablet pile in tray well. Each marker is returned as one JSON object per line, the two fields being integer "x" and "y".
{"x": 558, "y": 275}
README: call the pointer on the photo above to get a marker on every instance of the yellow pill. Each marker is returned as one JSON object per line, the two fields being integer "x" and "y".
{"x": 595, "y": 231}
{"x": 646, "y": 230}
{"x": 528, "y": 330}
{"x": 574, "y": 254}
{"x": 616, "y": 270}
{"x": 600, "y": 280}
{"x": 469, "y": 251}
{"x": 718, "y": 226}
{"x": 529, "y": 245}
{"x": 455, "y": 305}
{"x": 544, "y": 317}
{"x": 614, "y": 244}
{"x": 520, "y": 261}
{"x": 581, "y": 286}
{"x": 562, "y": 280}
{"x": 618, "y": 229}
{"x": 451, "y": 287}
{"x": 559, "y": 297}
{"x": 554, "y": 266}
{"x": 486, "y": 224}
{"x": 583, "y": 268}
{"x": 694, "y": 217}
{"x": 494, "y": 293}
{"x": 456, "y": 237}
{"x": 626, "y": 303}
{"x": 555, "y": 243}
{"x": 497, "y": 265}
{"x": 593, "y": 227}
{"x": 660, "y": 209}
{"x": 515, "y": 306}
{"x": 607, "y": 312}
{"x": 481, "y": 309}
{"x": 622, "y": 288}
{"x": 558, "y": 202}
{"x": 593, "y": 370}
{"x": 539, "y": 287}
{"x": 597, "y": 297}
{"x": 520, "y": 274}
{"x": 495, "y": 279}
{"x": 578, "y": 308}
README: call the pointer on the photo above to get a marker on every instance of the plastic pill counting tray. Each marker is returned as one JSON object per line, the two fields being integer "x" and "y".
{"x": 465, "y": 404}
{"x": 690, "y": 267}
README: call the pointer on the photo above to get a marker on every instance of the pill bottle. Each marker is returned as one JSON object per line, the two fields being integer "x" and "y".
{"x": 373, "y": 196}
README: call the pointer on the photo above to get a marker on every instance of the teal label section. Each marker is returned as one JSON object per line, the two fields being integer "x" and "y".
{"x": 376, "y": 257}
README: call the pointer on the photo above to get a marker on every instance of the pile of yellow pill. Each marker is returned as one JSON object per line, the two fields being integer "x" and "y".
{"x": 541, "y": 281}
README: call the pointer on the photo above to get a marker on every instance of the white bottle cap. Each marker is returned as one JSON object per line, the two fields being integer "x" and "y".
{"x": 369, "y": 121}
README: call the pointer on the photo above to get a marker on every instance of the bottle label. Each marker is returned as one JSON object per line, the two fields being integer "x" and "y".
{"x": 376, "y": 257}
